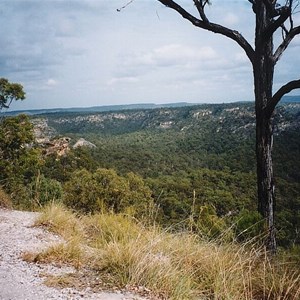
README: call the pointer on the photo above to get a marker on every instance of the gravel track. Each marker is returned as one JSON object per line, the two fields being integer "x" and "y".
{"x": 20, "y": 280}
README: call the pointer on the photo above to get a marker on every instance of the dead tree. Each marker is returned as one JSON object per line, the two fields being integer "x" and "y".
{"x": 270, "y": 17}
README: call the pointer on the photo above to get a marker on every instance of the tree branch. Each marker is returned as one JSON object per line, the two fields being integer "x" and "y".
{"x": 285, "y": 89}
{"x": 289, "y": 37}
{"x": 200, "y": 7}
{"x": 216, "y": 28}
{"x": 285, "y": 13}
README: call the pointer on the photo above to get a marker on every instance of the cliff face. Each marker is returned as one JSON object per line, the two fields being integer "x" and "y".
{"x": 45, "y": 137}
{"x": 237, "y": 118}
{"x": 60, "y": 146}
{"x": 42, "y": 131}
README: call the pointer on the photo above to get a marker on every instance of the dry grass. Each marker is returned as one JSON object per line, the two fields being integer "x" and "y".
{"x": 59, "y": 281}
{"x": 64, "y": 253}
{"x": 60, "y": 220}
{"x": 101, "y": 229}
{"x": 175, "y": 266}
{"x": 5, "y": 200}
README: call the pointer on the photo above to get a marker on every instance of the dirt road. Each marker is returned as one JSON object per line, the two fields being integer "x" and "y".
{"x": 20, "y": 280}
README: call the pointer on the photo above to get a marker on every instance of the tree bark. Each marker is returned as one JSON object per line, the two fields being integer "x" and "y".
{"x": 263, "y": 69}
{"x": 265, "y": 180}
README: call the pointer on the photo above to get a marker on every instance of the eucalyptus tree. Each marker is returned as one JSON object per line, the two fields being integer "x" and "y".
{"x": 10, "y": 92}
{"x": 271, "y": 16}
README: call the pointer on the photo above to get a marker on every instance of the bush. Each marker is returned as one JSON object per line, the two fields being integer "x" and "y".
{"x": 249, "y": 225}
{"x": 105, "y": 190}
{"x": 43, "y": 190}
{"x": 209, "y": 225}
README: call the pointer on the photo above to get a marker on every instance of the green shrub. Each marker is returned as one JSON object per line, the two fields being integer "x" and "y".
{"x": 249, "y": 225}
{"x": 43, "y": 190}
{"x": 209, "y": 225}
{"x": 105, "y": 190}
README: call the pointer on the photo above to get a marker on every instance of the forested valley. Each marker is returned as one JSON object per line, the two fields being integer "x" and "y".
{"x": 187, "y": 167}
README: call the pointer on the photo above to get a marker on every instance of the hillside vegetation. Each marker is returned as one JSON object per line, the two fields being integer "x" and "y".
{"x": 150, "y": 184}
{"x": 190, "y": 157}
{"x": 167, "y": 265}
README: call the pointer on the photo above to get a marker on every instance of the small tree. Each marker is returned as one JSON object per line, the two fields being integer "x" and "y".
{"x": 271, "y": 16}
{"x": 17, "y": 161}
{"x": 15, "y": 133}
{"x": 9, "y": 92}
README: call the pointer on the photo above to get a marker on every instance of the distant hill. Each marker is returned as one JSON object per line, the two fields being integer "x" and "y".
{"x": 289, "y": 99}
{"x": 238, "y": 118}
{"x": 163, "y": 140}
{"x": 111, "y": 108}
{"x": 104, "y": 108}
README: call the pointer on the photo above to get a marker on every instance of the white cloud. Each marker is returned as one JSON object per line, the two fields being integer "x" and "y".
{"x": 167, "y": 58}
{"x": 65, "y": 27}
{"x": 122, "y": 80}
{"x": 230, "y": 19}
{"x": 84, "y": 49}
{"x": 176, "y": 54}
{"x": 51, "y": 82}
{"x": 241, "y": 57}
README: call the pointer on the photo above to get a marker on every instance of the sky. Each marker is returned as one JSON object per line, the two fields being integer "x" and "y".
{"x": 82, "y": 53}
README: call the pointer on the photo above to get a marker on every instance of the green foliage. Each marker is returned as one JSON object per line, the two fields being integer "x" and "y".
{"x": 161, "y": 141}
{"x": 227, "y": 192}
{"x": 15, "y": 132}
{"x": 81, "y": 192}
{"x": 17, "y": 157}
{"x": 288, "y": 212}
{"x": 43, "y": 190}
{"x": 19, "y": 161}
{"x": 139, "y": 199}
{"x": 105, "y": 190}
{"x": 61, "y": 168}
{"x": 209, "y": 225}
{"x": 9, "y": 92}
{"x": 248, "y": 225}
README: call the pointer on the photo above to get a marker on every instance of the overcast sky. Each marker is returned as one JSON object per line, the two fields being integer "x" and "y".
{"x": 75, "y": 53}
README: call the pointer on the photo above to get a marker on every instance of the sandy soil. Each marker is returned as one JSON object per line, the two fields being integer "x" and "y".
{"x": 20, "y": 280}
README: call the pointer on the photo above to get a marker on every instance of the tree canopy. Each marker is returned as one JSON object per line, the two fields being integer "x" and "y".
{"x": 9, "y": 92}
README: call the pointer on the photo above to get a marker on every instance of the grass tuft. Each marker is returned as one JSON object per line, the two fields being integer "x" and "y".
{"x": 5, "y": 201}
{"x": 71, "y": 253}
{"x": 173, "y": 266}
{"x": 101, "y": 229}
{"x": 60, "y": 220}
{"x": 60, "y": 281}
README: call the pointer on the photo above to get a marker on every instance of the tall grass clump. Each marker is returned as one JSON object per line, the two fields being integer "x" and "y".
{"x": 60, "y": 220}
{"x": 5, "y": 201}
{"x": 177, "y": 265}
{"x": 103, "y": 228}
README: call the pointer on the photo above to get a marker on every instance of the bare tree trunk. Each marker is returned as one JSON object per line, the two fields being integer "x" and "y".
{"x": 265, "y": 181}
{"x": 264, "y": 145}
{"x": 263, "y": 69}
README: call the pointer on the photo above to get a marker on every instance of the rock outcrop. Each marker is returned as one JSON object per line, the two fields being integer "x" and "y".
{"x": 83, "y": 143}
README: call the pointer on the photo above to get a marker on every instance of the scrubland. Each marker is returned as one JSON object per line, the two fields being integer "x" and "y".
{"x": 169, "y": 265}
